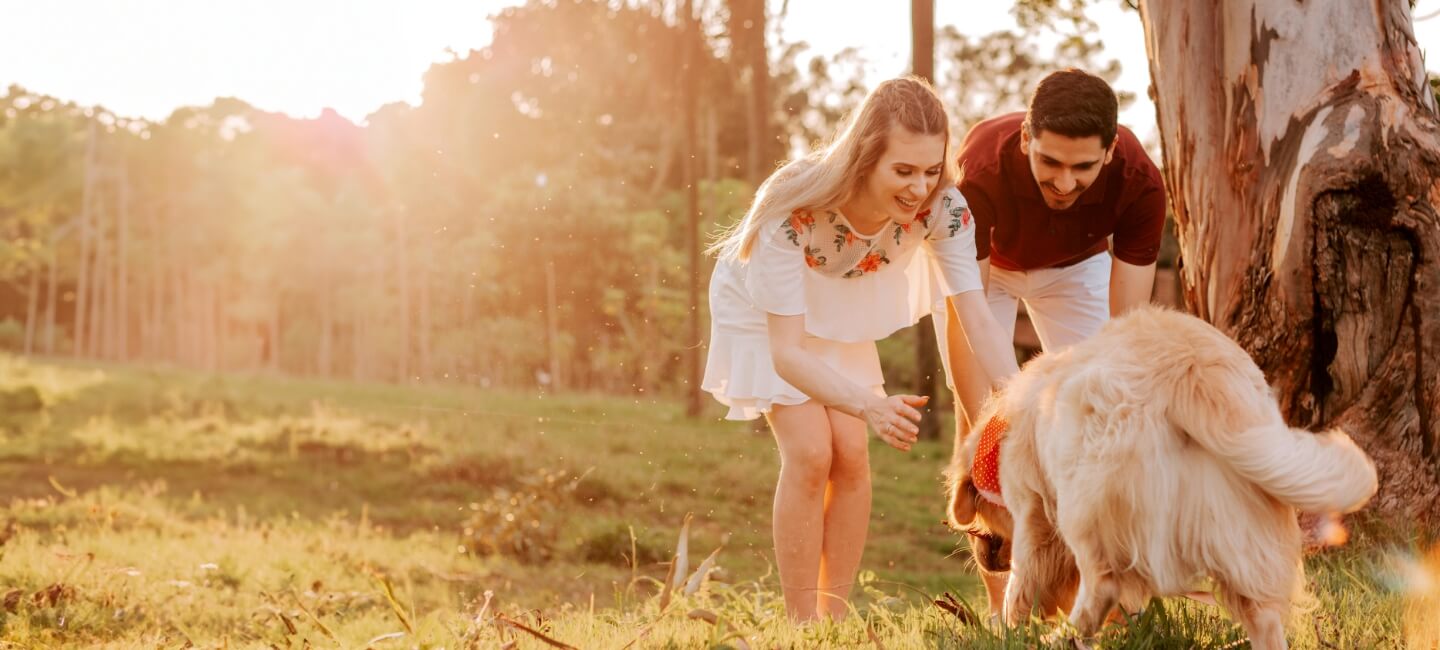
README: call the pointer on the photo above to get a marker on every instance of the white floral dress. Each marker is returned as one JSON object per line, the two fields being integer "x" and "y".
{"x": 854, "y": 289}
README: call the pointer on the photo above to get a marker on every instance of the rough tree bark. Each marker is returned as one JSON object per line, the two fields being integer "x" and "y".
{"x": 1302, "y": 154}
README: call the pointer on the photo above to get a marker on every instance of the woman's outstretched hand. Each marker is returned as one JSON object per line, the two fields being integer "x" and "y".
{"x": 895, "y": 419}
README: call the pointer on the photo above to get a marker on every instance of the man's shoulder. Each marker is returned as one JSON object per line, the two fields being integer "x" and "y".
{"x": 1138, "y": 172}
{"x": 1132, "y": 155}
{"x": 984, "y": 146}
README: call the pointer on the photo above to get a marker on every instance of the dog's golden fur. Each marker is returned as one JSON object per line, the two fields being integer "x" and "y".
{"x": 1142, "y": 460}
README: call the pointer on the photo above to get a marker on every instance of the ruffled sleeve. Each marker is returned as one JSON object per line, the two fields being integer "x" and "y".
{"x": 951, "y": 242}
{"x": 775, "y": 273}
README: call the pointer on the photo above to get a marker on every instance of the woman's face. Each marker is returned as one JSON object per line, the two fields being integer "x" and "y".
{"x": 904, "y": 176}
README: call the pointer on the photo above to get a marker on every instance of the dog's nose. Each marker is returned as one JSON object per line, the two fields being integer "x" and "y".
{"x": 994, "y": 556}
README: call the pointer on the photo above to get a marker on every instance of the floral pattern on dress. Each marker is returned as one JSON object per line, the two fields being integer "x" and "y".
{"x": 831, "y": 247}
{"x": 959, "y": 215}
{"x": 796, "y": 224}
{"x": 901, "y": 229}
{"x": 844, "y": 236}
{"x": 869, "y": 264}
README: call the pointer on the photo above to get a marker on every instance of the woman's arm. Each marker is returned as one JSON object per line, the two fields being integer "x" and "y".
{"x": 984, "y": 337}
{"x": 981, "y": 359}
{"x": 893, "y": 418}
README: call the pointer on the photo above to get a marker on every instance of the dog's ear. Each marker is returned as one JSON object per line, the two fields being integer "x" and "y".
{"x": 961, "y": 511}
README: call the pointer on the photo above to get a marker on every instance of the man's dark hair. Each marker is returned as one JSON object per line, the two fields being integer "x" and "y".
{"x": 1075, "y": 104}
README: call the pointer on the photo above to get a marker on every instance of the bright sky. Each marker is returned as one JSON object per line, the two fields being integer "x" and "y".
{"x": 147, "y": 57}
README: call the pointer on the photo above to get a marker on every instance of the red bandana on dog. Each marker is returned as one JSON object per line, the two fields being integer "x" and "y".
{"x": 985, "y": 474}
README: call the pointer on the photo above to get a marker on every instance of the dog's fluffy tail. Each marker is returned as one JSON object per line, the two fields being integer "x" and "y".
{"x": 1236, "y": 420}
{"x": 1314, "y": 472}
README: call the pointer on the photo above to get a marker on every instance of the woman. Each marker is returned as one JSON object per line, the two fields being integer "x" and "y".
{"x": 841, "y": 249}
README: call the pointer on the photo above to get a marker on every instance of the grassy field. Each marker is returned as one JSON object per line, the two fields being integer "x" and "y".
{"x": 160, "y": 508}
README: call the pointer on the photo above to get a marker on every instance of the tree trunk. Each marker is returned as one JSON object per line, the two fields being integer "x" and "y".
{"x": 150, "y": 290}
{"x": 360, "y": 344}
{"x": 1304, "y": 188}
{"x": 424, "y": 371}
{"x": 51, "y": 294}
{"x": 32, "y": 311}
{"x": 82, "y": 276}
{"x": 219, "y": 330}
{"x": 122, "y": 267}
{"x": 647, "y": 352}
{"x": 327, "y": 327}
{"x": 178, "y": 314}
{"x": 271, "y": 359}
{"x": 157, "y": 284}
{"x": 99, "y": 282}
{"x": 690, "y": 90}
{"x": 178, "y": 307}
{"x": 927, "y": 350}
{"x": 552, "y": 325}
{"x": 211, "y": 305}
{"x": 402, "y": 272}
{"x": 747, "y": 28}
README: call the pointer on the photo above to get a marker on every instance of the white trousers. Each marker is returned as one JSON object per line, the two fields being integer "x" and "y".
{"x": 1066, "y": 305}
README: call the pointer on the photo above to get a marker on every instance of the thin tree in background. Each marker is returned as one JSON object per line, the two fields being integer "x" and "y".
{"x": 689, "y": 77}
{"x": 87, "y": 230}
{"x": 927, "y": 353}
{"x": 747, "y": 34}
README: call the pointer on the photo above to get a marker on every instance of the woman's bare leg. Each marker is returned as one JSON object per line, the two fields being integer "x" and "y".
{"x": 804, "y": 437}
{"x": 847, "y": 513}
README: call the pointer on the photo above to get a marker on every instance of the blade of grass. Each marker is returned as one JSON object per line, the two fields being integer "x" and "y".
{"x": 395, "y": 604}
{"x": 313, "y": 619}
{"x": 535, "y": 633}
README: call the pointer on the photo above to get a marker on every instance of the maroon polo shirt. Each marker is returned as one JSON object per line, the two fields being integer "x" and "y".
{"x": 1018, "y": 232}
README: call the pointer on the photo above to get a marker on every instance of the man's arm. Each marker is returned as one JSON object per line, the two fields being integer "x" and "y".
{"x": 1130, "y": 285}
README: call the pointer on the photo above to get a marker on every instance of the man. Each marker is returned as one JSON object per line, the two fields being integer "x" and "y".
{"x": 1055, "y": 191}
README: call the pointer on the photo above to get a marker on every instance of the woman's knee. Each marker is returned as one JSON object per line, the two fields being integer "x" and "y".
{"x": 850, "y": 458}
{"x": 808, "y": 464}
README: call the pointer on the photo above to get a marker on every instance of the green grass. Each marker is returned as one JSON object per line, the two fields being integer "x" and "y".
{"x": 158, "y": 508}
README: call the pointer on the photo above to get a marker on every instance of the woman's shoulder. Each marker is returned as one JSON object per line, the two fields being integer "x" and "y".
{"x": 952, "y": 197}
{"x": 950, "y": 214}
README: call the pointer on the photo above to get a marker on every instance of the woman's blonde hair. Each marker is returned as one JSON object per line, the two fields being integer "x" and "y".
{"x": 828, "y": 178}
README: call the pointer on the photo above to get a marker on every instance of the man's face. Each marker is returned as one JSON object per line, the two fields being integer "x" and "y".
{"x": 1063, "y": 166}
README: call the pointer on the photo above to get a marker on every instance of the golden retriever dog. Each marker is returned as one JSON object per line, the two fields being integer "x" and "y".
{"x": 1139, "y": 462}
